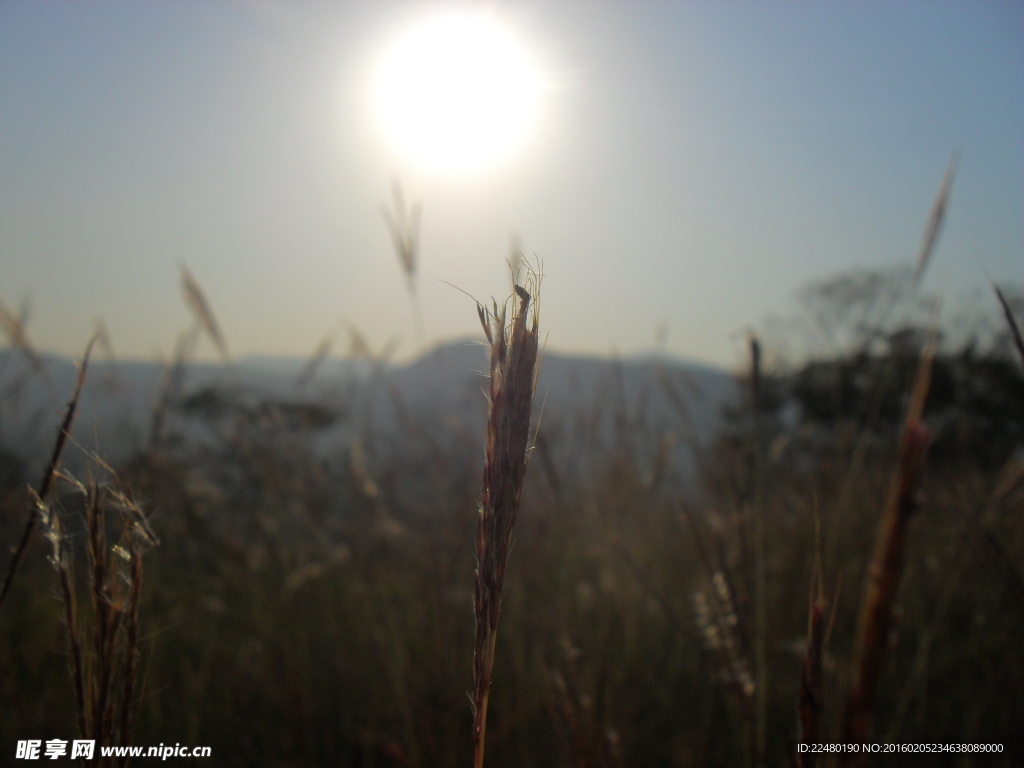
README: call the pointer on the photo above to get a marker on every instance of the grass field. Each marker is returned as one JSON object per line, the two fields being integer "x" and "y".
{"x": 841, "y": 562}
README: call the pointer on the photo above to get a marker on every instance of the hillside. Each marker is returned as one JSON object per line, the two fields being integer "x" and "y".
{"x": 116, "y": 411}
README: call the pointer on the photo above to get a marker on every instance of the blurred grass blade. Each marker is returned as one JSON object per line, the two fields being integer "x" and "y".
{"x": 935, "y": 219}
{"x": 50, "y": 473}
{"x": 196, "y": 301}
{"x": 1011, "y": 322}
{"x": 404, "y": 227}
{"x": 14, "y": 327}
{"x": 315, "y": 361}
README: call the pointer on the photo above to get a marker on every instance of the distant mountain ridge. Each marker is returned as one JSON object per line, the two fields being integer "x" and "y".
{"x": 116, "y": 409}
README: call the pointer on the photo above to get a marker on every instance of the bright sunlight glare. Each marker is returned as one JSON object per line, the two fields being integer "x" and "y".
{"x": 457, "y": 93}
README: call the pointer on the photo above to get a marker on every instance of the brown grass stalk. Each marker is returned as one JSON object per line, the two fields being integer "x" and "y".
{"x": 49, "y": 474}
{"x": 513, "y": 378}
{"x": 887, "y": 566}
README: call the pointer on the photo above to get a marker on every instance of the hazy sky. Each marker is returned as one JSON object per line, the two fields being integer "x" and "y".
{"x": 691, "y": 165}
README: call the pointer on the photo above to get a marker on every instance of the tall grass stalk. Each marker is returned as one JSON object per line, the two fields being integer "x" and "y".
{"x": 870, "y": 411}
{"x": 513, "y": 380}
{"x": 887, "y": 567}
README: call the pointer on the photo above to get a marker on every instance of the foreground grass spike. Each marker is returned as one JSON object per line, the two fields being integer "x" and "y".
{"x": 887, "y": 566}
{"x": 513, "y": 379}
{"x": 49, "y": 474}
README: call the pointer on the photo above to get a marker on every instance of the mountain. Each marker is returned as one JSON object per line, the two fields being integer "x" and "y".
{"x": 605, "y": 398}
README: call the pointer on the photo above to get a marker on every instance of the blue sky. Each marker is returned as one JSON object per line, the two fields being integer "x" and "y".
{"x": 693, "y": 165}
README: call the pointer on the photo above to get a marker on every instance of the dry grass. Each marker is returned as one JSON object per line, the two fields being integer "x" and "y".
{"x": 49, "y": 473}
{"x": 514, "y": 349}
{"x": 104, "y": 649}
{"x": 886, "y": 569}
{"x": 292, "y": 626}
{"x": 314, "y": 607}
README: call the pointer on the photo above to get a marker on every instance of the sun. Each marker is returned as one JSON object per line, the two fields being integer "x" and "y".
{"x": 457, "y": 93}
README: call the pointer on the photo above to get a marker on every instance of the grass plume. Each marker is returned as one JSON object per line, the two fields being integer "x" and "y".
{"x": 513, "y": 378}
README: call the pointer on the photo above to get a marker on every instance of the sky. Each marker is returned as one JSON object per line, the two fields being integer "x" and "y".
{"x": 689, "y": 167}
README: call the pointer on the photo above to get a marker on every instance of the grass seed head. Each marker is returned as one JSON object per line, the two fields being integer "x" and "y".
{"x": 514, "y": 346}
